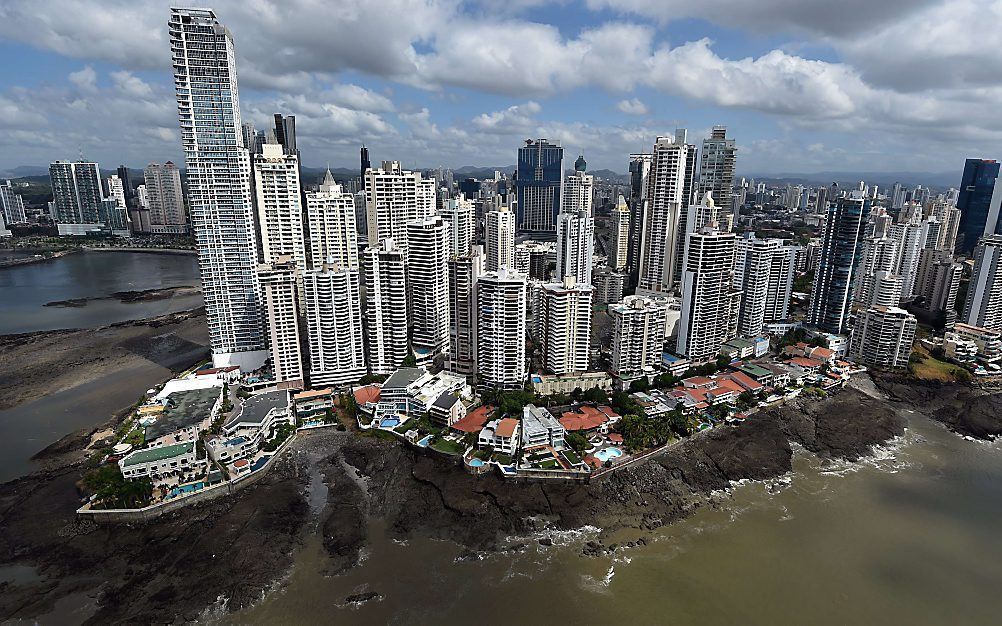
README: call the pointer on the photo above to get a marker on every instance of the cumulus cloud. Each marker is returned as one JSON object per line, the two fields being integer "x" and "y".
{"x": 517, "y": 119}
{"x": 632, "y": 107}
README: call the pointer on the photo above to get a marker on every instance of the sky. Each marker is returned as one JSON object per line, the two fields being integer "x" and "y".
{"x": 802, "y": 85}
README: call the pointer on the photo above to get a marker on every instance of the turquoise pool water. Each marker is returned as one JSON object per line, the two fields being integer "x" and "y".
{"x": 185, "y": 489}
{"x": 476, "y": 463}
{"x": 389, "y": 422}
{"x": 608, "y": 453}
{"x": 427, "y": 440}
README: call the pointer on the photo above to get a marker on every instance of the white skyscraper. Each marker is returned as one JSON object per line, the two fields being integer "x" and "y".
{"x": 279, "y": 205}
{"x": 983, "y": 306}
{"x": 910, "y": 241}
{"x": 279, "y": 286}
{"x": 716, "y": 169}
{"x": 77, "y": 205}
{"x": 11, "y": 205}
{"x": 165, "y": 199}
{"x": 619, "y": 243}
{"x": 709, "y": 303}
{"x": 464, "y": 270}
{"x": 499, "y": 239}
{"x": 333, "y": 233}
{"x": 763, "y": 273}
{"x": 665, "y": 196}
{"x": 501, "y": 302}
{"x": 428, "y": 286}
{"x": 565, "y": 326}
{"x": 578, "y": 190}
{"x": 395, "y": 197}
{"x": 219, "y": 185}
{"x": 385, "y": 307}
{"x": 879, "y": 254}
{"x": 639, "y": 329}
{"x": 334, "y": 325}
{"x": 460, "y": 215}
{"x": 883, "y": 337}
{"x": 575, "y": 246}
{"x": 116, "y": 190}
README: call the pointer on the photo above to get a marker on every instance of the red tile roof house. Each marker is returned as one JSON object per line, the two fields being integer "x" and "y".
{"x": 810, "y": 365}
{"x": 588, "y": 418}
{"x": 747, "y": 382}
{"x": 367, "y": 397}
{"x": 475, "y": 420}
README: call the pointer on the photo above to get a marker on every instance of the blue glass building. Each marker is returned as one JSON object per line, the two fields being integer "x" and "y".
{"x": 538, "y": 183}
{"x": 841, "y": 250}
{"x": 973, "y": 201}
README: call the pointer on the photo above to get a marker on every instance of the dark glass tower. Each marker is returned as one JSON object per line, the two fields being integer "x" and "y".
{"x": 975, "y": 197}
{"x": 841, "y": 250}
{"x": 130, "y": 189}
{"x": 538, "y": 183}
{"x": 364, "y": 161}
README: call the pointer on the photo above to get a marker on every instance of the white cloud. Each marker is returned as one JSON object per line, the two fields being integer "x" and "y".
{"x": 632, "y": 107}
{"x": 516, "y": 119}
{"x": 85, "y": 79}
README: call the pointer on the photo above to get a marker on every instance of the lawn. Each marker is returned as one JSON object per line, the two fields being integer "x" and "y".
{"x": 448, "y": 447}
{"x": 931, "y": 368}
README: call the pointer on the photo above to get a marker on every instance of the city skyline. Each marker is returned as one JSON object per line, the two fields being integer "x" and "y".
{"x": 803, "y": 88}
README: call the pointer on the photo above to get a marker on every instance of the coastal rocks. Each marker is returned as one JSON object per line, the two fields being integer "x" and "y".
{"x": 965, "y": 410}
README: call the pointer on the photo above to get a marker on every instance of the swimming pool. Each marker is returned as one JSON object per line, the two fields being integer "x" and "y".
{"x": 427, "y": 440}
{"x": 185, "y": 489}
{"x": 389, "y": 422}
{"x": 476, "y": 463}
{"x": 608, "y": 453}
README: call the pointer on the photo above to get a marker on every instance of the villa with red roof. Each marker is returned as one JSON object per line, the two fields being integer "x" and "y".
{"x": 587, "y": 418}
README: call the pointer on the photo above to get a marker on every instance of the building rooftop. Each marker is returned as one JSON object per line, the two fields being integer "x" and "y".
{"x": 475, "y": 419}
{"x": 159, "y": 453}
{"x": 446, "y": 401}
{"x": 184, "y": 409}
{"x": 367, "y": 394}
{"x": 506, "y": 427}
{"x": 313, "y": 393}
{"x": 538, "y": 421}
{"x": 404, "y": 377}
{"x": 257, "y": 407}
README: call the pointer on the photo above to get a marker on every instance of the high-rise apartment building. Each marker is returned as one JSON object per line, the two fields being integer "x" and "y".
{"x": 666, "y": 193}
{"x": 948, "y": 217}
{"x": 335, "y": 335}
{"x": 77, "y": 197}
{"x": 910, "y": 239}
{"x": 499, "y": 239}
{"x": 709, "y": 301}
{"x": 877, "y": 255}
{"x": 165, "y": 199}
{"x": 619, "y": 243}
{"x": 428, "y": 286}
{"x": 983, "y": 306}
{"x": 279, "y": 281}
{"x": 578, "y": 189}
{"x": 460, "y": 214}
{"x": 501, "y": 326}
{"x": 464, "y": 270}
{"x": 716, "y": 169}
{"x": 638, "y": 338}
{"x": 763, "y": 273}
{"x": 640, "y": 169}
{"x": 395, "y": 197}
{"x": 385, "y": 307}
{"x": 575, "y": 246}
{"x": 834, "y": 280}
{"x": 11, "y": 205}
{"x": 938, "y": 281}
{"x": 219, "y": 185}
{"x": 332, "y": 227}
{"x": 539, "y": 177}
{"x": 883, "y": 337}
{"x": 279, "y": 205}
{"x": 974, "y": 200}
{"x": 565, "y": 325}
{"x": 116, "y": 191}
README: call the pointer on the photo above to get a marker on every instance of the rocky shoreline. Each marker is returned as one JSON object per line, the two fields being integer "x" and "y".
{"x": 241, "y": 546}
{"x": 126, "y": 297}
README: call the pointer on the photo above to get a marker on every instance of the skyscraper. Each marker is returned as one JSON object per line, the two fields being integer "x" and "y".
{"x": 335, "y": 335}
{"x": 716, "y": 169}
{"x": 938, "y": 281}
{"x": 219, "y": 185}
{"x": 279, "y": 281}
{"x": 565, "y": 325}
{"x": 578, "y": 189}
{"x": 385, "y": 307}
{"x": 910, "y": 240}
{"x": 575, "y": 246}
{"x": 763, "y": 272}
{"x": 459, "y": 214}
{"x": 834, "y": 279}
{"x": 279, "y": 206}
{"x": 501, "y": 305}
{"x": 464, "y": 270}
{"x": 364, "y": 164}
{"x": 640, "y": 168}
{"x": 709, "y": 302}
{"x": 976, "y": 187}
{"x": 638, "y": 335}
{"x": 11, "y": 205}
{"x": 983, "y": 306}
{"x": 619, "y": 243}
{"x": 127, "y": 185}
{"x": 539, "y": 185}
{"x": 333, "y": 233}
{"x": 666, "y": 190}
{"x": 165, "y": 199}
{"x": 428, "y": 286}
{"x": 285, "y": 134}
{"x": 116, "y": 191}
{"x": 883, "y": 337}
{"x": 77, "y": 197}
{"x": 395, "y": 197}
{"x": 499, "y": 238}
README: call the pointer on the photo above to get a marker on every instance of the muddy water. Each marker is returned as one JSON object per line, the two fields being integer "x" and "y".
{"x": 911, "y": 536}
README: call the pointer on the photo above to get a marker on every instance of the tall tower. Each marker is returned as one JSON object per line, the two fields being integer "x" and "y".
{"x": 983, "y": 306}
{"x": 333, "y": 232}
{"x": 619, "y": 245}
{"x": 709, "y": 303}
{"x": 565, "y": 325}
{"x": 385, "y": 307}
{"x": 428, "y": 285}
{"x": 459, "y": 214}
{"x": 575, "y": 246}
{"x": 716, "y": 170}
{"x": 974, "y": 201}
{"x": 77, "y": 197}
{"x": 11, "y": 205}
{"x": 279, "y": 206}
{"x": 666, "y": 190}
{"x": 219, "y": 185}
{"x": 501, "y": 301}
{"x": 335, "y": 336}
{"x": 395, "y": 197}
{"x": 364, "y": 163}
{"x": 279, "y": 281}
{"x": 464, "y": 270}
{"x": 499, "y": 238}
{"x": 640, "y": 169}
{"x": 578, "y": 189}
{"x": 841, "y": 252}
{"x": 166, "y": 199}
{"x": 639, "y": 328}
{"x": 539, "y": 185}
{"x": 763, "y": 272}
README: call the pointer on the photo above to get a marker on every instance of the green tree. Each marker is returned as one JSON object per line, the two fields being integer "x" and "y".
{"x": 577, "y": 441}
{"x": 746, "y": 400}
{"x": 596, "y": 395}
{"x": 640, "y": 384}
{"x": 114, "y": 491}
{"x": 410, "y": 361}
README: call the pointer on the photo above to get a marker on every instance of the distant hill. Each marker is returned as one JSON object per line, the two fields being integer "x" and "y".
{"x": 940, "y": 180}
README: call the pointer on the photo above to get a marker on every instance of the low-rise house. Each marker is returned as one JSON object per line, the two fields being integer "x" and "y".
{"x": 184, "y": 416}
{"x": 780, "y": 374}
{"x": 367, "y": 398}
{"x": 259, "y": 416}
{"x": 811, "y": 365}
{"x": 589, "y": 418}
{"x": 698, "y": 382}
{"x": 989, "y": 342}
{"x": 739, "y": 348}
{"x": 817, "y": 353}
{"x": 674, "y": 364}
{"x": 746, "y": 382}
{"x": 548, "y": 384}
{"x": 314, "y": 403}
{"x": 228, "y": 449}
{"x": 502, "y": 434}
{"x": 161, "y": 461}
{"x": 447, "y": 410}
{"x": 959, "y": 349}
{"x": 656, "y": 403}
{"x": 540, "y": 428}
{"x": 475, "y": 420}
{"x": 413, "y": 390}
{"x": 756, "y": 371}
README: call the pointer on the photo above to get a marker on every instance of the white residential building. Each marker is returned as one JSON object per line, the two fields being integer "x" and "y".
{"x": 983, "y": 306}
{"x": 608, "y": 285}
{"x": 619, "y": 243}
{"x": 716, "y": 168}
{"x": 165, "y": 199}
{"x": 504, "y": 435}
{"x": 11, "y": 205}
{"x": 279, "y": 205}
{"x": 280, "y": 287}
{"x": 763, "y": 272}
{"x": 385, "y": 307}
{"x": 501, "y": 325}
{"x": 540, "y": 428}
{"x": 116, "y": 190}
{"x": 879, "y": 254}
{"x": 638, "y": 335}
{"x": 395, "y": 197}
{"x": 910, "y": 241}
{"x": 332, "y": 226}
{"x": 578, "y": 190}
{"x": 219, "y": 186}
{"x": 335, "y": 335}
{"x": 428, "y": 286}
{"x": 565, "y": 326}
{"x": 575, "y": 246}
{"x": 499, "y": 240}
{"x": 667, "y": 184}
{"x": 460, "y": 215}
{"x": 883, "y": 337}
{"x": 709, "y": 302}
{"x": 463, "y": 274}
